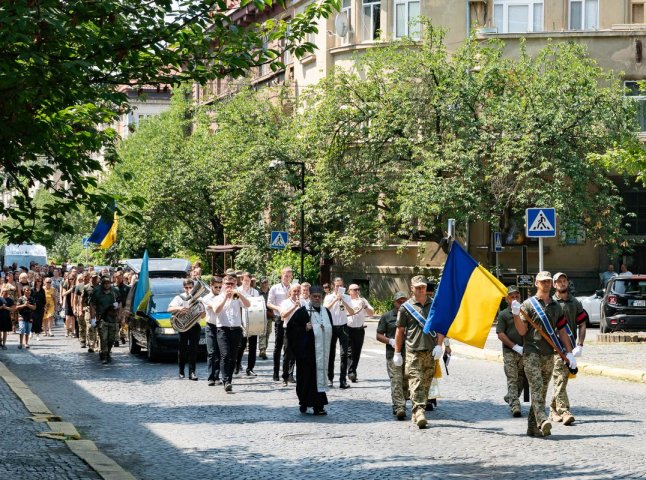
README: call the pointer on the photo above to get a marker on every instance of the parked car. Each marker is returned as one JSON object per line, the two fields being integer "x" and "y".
{"x": 624, "y": 304}
{"x": 592, "y": 305}
{"x": 152, "y": 329}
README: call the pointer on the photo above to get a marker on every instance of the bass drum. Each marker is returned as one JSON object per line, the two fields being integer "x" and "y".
{"x": 254, "y": 318}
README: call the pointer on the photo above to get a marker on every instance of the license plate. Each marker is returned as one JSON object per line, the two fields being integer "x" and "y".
{"x": 202, "y": 341}
{"x": 639, "y": 303}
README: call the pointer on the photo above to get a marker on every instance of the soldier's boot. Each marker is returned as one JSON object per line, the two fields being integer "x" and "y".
{"x": 515, "y": 411}
{"x": 568, "y": 418}
{"x": 103, "y": 357}
{"x": 401, "y": 413}
{"x": 420, "y": 419}
{"x": 546, "y": 428}
{"x": 554, "y": 416}
{"x": 534, "y": 431}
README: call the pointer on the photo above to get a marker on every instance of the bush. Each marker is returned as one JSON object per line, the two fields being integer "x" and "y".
{"x": 289, "y": 258}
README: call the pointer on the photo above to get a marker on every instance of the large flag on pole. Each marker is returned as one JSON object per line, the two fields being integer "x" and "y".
{"x": 105, "y": 232}
{"x": 466, "y": 301}
{"x": 142, "y": 290}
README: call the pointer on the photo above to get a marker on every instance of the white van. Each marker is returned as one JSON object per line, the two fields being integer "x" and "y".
{"x": 22, "y": 255}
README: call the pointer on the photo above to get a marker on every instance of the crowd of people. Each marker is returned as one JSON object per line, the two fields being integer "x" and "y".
{"x": 541, "y": 337}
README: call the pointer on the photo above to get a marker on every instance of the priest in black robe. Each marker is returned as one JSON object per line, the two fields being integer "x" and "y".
{"x": 309, "y": 335}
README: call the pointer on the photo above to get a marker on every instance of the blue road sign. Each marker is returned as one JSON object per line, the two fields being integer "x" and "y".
{"x": 86, "y": 244}
{"x": 278, "y": 240}
{"x": 540, "y": 222}
{"x": 497, "y": 242}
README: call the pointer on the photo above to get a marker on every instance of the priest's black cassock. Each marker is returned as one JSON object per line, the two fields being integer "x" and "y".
{"x": 311, "y": 350}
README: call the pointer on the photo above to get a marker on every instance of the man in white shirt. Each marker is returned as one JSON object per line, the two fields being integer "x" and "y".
{"x": 278, "y": 293}
{"x": 339, "y": 305}
{"x": 228, "y": 307}
{"x": 248, "y": 292}
{"x": 624, "y": 270}
{"x": 211, "y": 331}
{"x": 305, "y": 293}
{"x": 357, "y": 328}
{"x": 287, "y": 309}
{"x": 189, "y": 340}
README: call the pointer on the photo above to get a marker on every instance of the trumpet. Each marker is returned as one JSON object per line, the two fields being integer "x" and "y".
{"x": 236, "y": 296}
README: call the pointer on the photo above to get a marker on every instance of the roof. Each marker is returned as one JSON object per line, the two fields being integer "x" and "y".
{"x": 225, "y": 248}
{"x": 169, "y": 267}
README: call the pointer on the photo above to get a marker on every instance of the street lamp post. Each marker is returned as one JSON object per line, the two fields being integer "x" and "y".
{"x": 278, "y": 163}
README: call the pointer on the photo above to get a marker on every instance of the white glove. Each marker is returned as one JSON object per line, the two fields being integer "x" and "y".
{"x": 115, "y": 305}
{"x": 518, "y": 349}
{"x": 577, "y": 351}
{"x": 391, "y": 342}
{"x": 437, "y": 352}
{"x": 572, "y": 361}
{"x": 515, "y": 307}
{"x": 93, "y": 322}
{"x": 398, "y": 361}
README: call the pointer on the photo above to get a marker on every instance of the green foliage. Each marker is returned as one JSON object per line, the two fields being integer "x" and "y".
{"x": 414, "y": 136}
{"x": 290, "y": 258}
{"x": 381, "y": 306}
{"x": 62, "y": 62}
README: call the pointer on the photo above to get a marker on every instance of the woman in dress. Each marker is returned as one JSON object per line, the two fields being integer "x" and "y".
{"x": 13, "y": 294}
{"x": 7, "y": 308}
{"x": 50, "y": 307}
{"x": 40, "y": 298}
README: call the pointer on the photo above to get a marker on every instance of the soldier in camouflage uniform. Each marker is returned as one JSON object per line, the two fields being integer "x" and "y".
{"x": 105, "y": 300}
{"x": 512, "y": 352}
{"x": 421, "y": 349}
{"x": 398, "y": 379}
{"x": 538, "y": 354}
{"x": 124, "y": 289}
{"x": 89, "y": 313}
{"x": 576, "y": 319}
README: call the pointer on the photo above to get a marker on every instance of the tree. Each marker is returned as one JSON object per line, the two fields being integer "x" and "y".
{"x": 61, "y": 63}
{"x": 416, "y": 135}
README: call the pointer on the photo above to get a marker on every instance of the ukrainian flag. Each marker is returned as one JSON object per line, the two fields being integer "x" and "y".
{"x": 466, "y": 301}
{"x": 142, "y": 290}
{"x": 105, "y": 232}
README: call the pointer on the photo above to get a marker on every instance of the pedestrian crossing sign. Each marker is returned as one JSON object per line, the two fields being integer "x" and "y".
{"x": 497, "y": 242}
{"x": 540, "y": 222}
{"x": 278, "y": 240}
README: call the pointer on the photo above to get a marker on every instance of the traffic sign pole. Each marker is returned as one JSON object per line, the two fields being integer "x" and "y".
{"x": 540, "y": 254}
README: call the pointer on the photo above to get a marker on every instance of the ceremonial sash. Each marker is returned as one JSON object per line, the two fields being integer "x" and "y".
{"x": 417, "y": 316}
{"x": 546, "y": 323}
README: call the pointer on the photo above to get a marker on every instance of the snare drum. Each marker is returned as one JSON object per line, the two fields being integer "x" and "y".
{"x": 254, "y": 318}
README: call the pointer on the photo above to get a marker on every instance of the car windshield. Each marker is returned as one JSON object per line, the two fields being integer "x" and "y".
{"x": 159, "y": 303}
{"x": 634, "y": 287}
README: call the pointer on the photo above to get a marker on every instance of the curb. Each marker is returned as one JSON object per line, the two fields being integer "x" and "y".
{"x": 638, "y": 376}
{"x": 86, "y": 450}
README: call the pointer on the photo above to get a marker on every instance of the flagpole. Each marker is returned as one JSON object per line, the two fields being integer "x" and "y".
{"x": 451, "y": 233}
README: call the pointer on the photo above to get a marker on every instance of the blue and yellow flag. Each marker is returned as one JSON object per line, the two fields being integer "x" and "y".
{"x": 142, "y": 290}
{"x": 466, "y": 301}
{"x": 105, "y": 232}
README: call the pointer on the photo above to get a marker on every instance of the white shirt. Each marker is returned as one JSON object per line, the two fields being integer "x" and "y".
{"x": 209, "y": 304}
{"x": 626, "y": 273}
{"x": 178, "y": 302}
{"x": 358, "y": 319}
{"x": 338, "y": 311}
{"x": 278, "y": 293}
{"x": 252, "y": 292}
{"x": 231, "y": 313}
{"x": 286, "y": 305}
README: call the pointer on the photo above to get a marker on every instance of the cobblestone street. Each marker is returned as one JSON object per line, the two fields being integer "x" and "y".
{"x": 159, "y": 427}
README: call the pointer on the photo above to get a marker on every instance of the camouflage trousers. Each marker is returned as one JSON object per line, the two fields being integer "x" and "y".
{"x": 107, "y": 333}
{"x": 514, "y": 370}
{"x": 560, "y": 401}
{"x": 90, "y": 333}
{"x": 538, "y": 370}
{"x": 420, "y": 367}
{"x": 82, "y": 327}
{"x": 398, "y": 384}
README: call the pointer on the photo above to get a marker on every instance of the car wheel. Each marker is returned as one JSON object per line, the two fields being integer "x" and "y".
{"x": 133, "y": 347}
{"x": 152, "y": 353}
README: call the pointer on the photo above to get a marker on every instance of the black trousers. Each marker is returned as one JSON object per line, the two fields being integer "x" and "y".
{"x": 251, "y": 357}
{"x": 212, "y": 352}
{"x": 229, "y": 342}
{"x": 340, "y": 333}
{"x": 188, "y": 342}
{"x": 281, "y": 348}
{"x": 356, "y": 337}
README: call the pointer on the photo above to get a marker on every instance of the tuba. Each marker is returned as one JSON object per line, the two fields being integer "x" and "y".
{"x": 183, "y": 323}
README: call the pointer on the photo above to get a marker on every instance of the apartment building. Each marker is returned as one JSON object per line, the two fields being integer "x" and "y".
{"x": 614, "y": 32}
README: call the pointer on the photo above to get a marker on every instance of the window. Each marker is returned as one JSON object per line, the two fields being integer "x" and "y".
{"x": 346, "y": 8}
{"x": 518, "y": 16}
{"x": 406, "y": 15}
{"x": 635, "y": 93}
{"x": 638, "y": 11}
{"x": 584, "y": 14}
{"x": 371, "y": 20}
